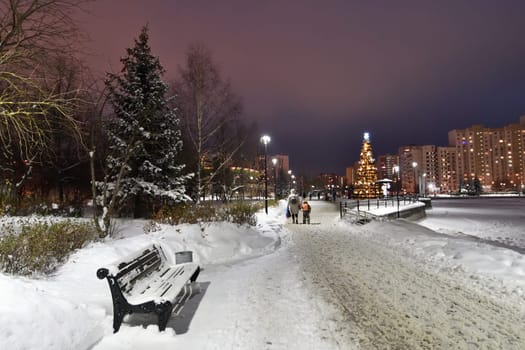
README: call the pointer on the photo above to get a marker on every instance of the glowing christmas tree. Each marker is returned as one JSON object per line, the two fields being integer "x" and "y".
{"x": 365, "y": 185}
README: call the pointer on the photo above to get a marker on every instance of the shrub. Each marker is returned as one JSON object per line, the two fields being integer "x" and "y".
{"x": 236, "y": 212}
{"x": 242, "y": 213}
{"x": 186, "y": 214}
{"x": 41, "y": 247}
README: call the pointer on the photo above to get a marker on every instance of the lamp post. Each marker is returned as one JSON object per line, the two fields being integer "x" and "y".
{"x": 274, "y": 162}
{"x": 290, "y": 174}
{"x": 395, "y": 169}
{"x": 423, "y": 184}
{"x": 265, "y": 139}
{"x": 414, "y": 165}
{"x": 251, "y": 188}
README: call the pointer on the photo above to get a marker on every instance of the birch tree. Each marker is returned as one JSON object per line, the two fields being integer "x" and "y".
{"x": 209, "y": 112}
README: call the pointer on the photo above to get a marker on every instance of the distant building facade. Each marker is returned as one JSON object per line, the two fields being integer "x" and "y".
{"x": 447, "y": 180}
{"x": 350, "y": 176}
{"x": 492, "y": 157}
{"x": 283, "y": 162}
{"x": 386, "y": 166}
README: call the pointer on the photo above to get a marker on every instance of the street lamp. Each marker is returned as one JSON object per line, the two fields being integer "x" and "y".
{"x": 395, "y": 169}
{"x": 265, "y": 139}
{"x": 274, "y": 162}
{"x": 424, "y": 184}
{"x": 414, "y": 165}
{"x": 251, "y": 187}
{"x": 290, "y": 174}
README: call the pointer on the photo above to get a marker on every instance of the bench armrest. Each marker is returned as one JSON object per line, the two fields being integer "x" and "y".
{"x": 102, "y": 273}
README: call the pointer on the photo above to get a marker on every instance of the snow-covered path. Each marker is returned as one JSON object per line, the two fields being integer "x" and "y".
{"x": 262, "y": 311}
{"x": 389, "y": 301}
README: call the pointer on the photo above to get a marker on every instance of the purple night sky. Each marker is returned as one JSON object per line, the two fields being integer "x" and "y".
{"x": 316, "y": 74}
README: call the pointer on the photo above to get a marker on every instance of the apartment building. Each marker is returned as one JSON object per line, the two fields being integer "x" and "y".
{"x": 494, "y": 157}
{"x": 447, "y": 180}
{"x": 410, "y": 157}
{"x": 386, "y": 166}
{"x": 427, "y": 169}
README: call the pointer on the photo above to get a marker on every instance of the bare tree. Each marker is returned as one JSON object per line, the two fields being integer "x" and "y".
{"x": 31, "y": 31}
{"x": 36, "y": 26}
{"x": 209, "y": 111}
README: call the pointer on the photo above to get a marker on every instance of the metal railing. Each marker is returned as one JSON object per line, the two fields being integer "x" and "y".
{"x": 361, "y": 207}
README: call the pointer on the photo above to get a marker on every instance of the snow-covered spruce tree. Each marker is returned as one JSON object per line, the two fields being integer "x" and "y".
{"x": 144, "y": 135}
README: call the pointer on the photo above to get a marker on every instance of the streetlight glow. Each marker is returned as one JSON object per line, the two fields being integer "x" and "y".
{"x": 265, "y": 139}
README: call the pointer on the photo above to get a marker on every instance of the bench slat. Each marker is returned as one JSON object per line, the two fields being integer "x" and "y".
{"x": 165, "y": 289}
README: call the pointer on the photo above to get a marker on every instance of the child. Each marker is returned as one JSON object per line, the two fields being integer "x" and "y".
{"x": 305, "y": 207}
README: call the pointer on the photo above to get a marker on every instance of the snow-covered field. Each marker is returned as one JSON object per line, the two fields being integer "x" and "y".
{"x": 266, "y": 287}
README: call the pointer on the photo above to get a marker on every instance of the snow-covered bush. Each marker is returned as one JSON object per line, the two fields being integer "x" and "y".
{"x": 41, "y": 247}
{"x": 187, "y": 214}
{"x": 242, "y": 213}
{"x": 236, "y": 212}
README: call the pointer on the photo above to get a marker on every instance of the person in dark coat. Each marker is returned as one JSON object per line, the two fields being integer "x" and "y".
{"x": 294, "y": 203}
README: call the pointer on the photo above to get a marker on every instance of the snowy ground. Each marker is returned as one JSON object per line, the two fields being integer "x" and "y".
{"x": 452, "y": 280}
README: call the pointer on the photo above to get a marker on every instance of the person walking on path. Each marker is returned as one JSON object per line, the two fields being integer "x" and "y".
{"x": 306, "y": 209}
{"x": 293, "y": 206}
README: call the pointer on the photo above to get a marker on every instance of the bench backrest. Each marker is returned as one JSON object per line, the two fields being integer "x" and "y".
{"x": 138, "y": 267}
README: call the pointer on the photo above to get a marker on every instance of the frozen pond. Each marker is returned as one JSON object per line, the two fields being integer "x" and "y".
{"x": 498, "y": 220}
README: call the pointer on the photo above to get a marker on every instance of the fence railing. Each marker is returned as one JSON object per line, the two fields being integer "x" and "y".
{"x": 362, "y": 207}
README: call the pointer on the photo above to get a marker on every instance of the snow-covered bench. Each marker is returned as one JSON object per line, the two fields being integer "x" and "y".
{"x": 146, "y": 282}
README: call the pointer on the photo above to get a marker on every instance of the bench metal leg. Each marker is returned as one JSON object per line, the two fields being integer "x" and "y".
{"x": 120, "y": 309}
{"x": 118, "y": 316}
{"x": 164, "y": 312}
{"x": 193, "y": 277}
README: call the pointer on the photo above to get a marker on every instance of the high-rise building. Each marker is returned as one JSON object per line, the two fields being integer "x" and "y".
{"x": 428, "y": 169}
{"x": 494, "y": 158}
{"x": 446, "y": 179}
{"x": 410, "y": 161}
{"x": 386, "y": 166}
